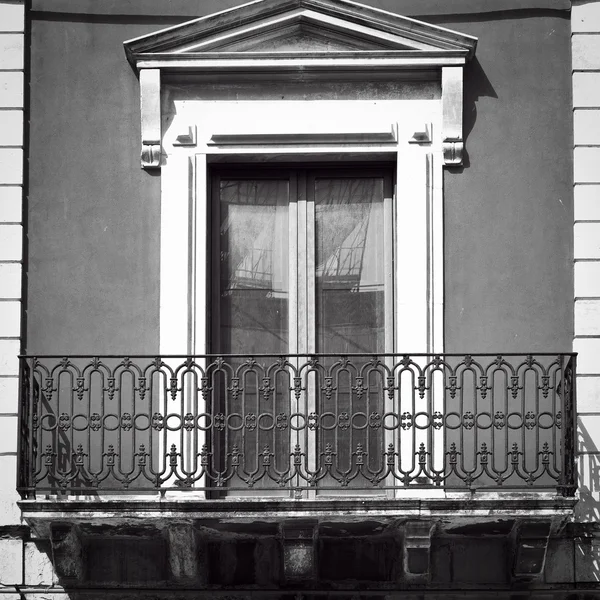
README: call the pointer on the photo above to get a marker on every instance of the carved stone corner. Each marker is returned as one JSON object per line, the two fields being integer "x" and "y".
{"x": 299, "y": 550}
{"x": 453, "y": 152}
{"x": 530, "y": 548}
{"x": 67, "y": 552}
{"x": 151, "y": 155}
{"x": 417, "y": 546}
{"x": 187, "y": 138}
{"x": 423, "y": 136}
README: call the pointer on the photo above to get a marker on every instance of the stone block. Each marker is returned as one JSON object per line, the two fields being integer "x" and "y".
{"x": 587, "y": 317}
{"x": 11, "y": 165}
{"x": 8, "y": 434}
{"x": 10, "y": 319}
{"x": 38, "y": 564}
{"x": 588, "y": 433}
{"x": 183, "y": 554}
{"x": 11, "y": 51}
{"x": 559, "y": 561}
{"x": 267, "y": 562}
{"x": 585, "y": 17}
{"x": 587, "y": 279}
{"x": 11, "y": 128}
{"x": 67, "y": 552}
{"x": 12, "y": 16}
{"x": 585, "y": 52}
{"x": 588, "y": 394}
{"x": 585, "y": 165}
{"x": 11, "y": 242}
{"x": 586, "y": 240}
{"x": 10, "y": 280}
{"x": 586, "y": 90}
{"x": 299, "y": 550}
{"x": 441, "y": 562}
{"x": 588, "y": 470}
{"x": 588, "y": 361}
{"x": 299, "y": 561}
{"x": 9, "y": 395}
{"x": 10, "y": 513}
{"x": 11, "y": 205}
{"x": 9, "y": 351}
{"x": 11, "y": 90}
{"x": 586, "y": 126}
{"x": 11, "y": 562}
{"x": 587, "y": 560}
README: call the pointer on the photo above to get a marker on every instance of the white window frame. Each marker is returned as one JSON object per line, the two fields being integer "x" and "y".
{"x": 422, "y": 136}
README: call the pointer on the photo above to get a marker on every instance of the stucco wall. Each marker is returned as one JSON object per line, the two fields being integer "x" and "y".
{"x": 94, "y": 215}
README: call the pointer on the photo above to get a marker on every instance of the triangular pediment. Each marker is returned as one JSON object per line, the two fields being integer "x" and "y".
{"x": 277, "y": 27}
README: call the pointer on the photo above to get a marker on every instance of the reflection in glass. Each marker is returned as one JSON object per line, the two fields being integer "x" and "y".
{"x": 350, "y": 313}
{"x": 254, "y": 266}
{"x": 349, "y": 265}
{"x": 253, "y": 307}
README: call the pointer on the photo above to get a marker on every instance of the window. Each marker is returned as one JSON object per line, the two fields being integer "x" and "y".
{"x": 301, "y": 264}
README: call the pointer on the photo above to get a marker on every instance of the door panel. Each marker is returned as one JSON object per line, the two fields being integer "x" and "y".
{"x": 303, "y": 264}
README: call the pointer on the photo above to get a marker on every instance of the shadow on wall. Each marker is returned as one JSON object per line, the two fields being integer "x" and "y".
{"x": 477, "y": 85}
{"x": 587, "y": 511}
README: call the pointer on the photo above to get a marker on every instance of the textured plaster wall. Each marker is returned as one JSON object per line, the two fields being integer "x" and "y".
{"x": 94, "y": 216}
{"x": 507, "y": 213}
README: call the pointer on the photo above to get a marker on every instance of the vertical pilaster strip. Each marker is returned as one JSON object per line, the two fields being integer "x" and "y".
{"x": 585, "y": 20}
{"x": 452, "y": 115}
{"x": 12, "y": 61}
{"x": 150, "y": 115}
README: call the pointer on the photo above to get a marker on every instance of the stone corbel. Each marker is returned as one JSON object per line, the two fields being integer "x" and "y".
{"x": 151, "y": 118}
{"x": 531, "y": 545}
{"x": 299, "y": 554}
{"x": 67, "y": 552}
{"x": 187, "y": 560}
{"x": 452, "y": 116}
{"x": 417, "y": 545}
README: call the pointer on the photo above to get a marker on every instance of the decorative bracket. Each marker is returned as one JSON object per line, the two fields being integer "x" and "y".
{"x": 452, "y": 115}
{"x": 299, "y": 555}
{"x": 531, "y": 544}
{"x": 67, "y": 552}
{"x": 151, "y": 118}
{"x": 417, "y": 544}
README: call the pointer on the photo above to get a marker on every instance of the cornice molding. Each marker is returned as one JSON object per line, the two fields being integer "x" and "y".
{"x": 265, "y": 16}
{"x": 301, "y": 36}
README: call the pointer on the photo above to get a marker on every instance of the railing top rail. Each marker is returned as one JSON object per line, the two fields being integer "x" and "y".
{"x": 296, "y": 355}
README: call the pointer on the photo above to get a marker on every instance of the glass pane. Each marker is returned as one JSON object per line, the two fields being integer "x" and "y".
{"x": 349, "y": 266}
{"x": 254, "y": 266}
{"x": 350, "y": 318}
{"x": 253, "y": 308}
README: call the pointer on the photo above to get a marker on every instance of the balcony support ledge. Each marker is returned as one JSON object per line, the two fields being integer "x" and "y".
{"x": 451, "y": 513}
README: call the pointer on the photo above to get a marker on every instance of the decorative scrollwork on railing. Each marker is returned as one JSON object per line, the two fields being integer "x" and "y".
{"x": 288, "y": 422}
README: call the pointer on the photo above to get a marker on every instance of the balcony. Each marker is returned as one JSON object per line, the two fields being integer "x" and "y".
{"x": 304, "y": 456}
{"x": 298, "y": 427}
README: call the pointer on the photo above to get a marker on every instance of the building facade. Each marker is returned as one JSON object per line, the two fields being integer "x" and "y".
{"x": 337, "y": 336}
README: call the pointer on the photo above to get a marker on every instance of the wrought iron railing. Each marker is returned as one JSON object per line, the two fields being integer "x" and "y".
{"x": 303, "y": 426}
